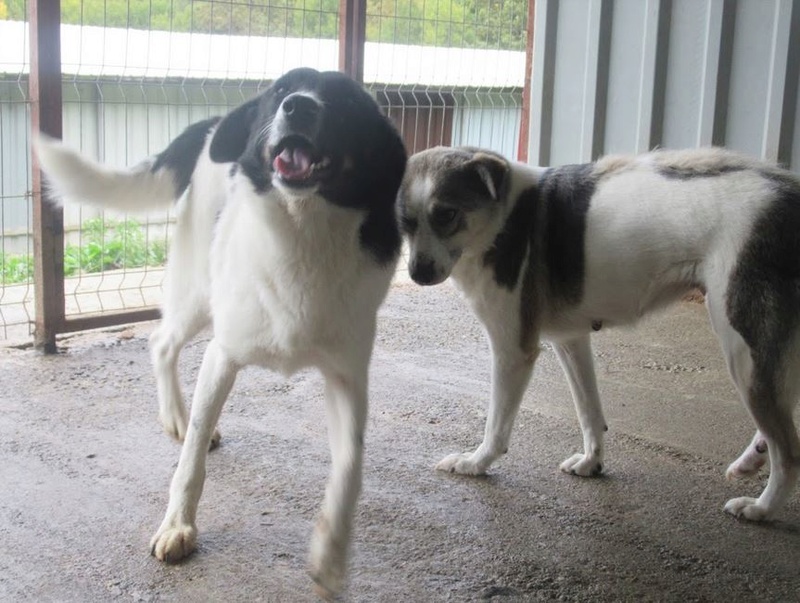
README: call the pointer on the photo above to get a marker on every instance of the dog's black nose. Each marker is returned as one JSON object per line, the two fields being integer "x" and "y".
{"x": 423, "y": 271}
{"x": 300, "y": 107}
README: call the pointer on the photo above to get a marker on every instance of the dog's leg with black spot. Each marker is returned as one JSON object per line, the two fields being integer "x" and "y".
{"x": 576, "y": 361}
{"x": 751, "y": 460}
{"x": 346, "y": 399}
{"x": 768, "y": 384}
{"x": 511, "y": 372}
{"x": 772, "y": 411}
{"x": 176, "y": 538}
{"x": 769, "y": 388}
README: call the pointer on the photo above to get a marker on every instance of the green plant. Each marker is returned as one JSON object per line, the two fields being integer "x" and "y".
{"x": 105, "y": 245}
{"x": 16, "y": 268}
{"x": 109, "y": 245}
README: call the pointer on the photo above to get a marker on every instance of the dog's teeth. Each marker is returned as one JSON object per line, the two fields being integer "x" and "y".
{"x": 322, "y": 164}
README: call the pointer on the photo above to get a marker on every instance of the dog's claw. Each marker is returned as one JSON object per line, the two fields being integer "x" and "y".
{"x": 461, "y": 463}
{"x": 582, "y": 466}
{"x": 747, "y": 508}
{"x": 172, "y": 544}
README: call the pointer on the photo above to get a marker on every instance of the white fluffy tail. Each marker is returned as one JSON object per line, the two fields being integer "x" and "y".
{"x": 74, "y": 178}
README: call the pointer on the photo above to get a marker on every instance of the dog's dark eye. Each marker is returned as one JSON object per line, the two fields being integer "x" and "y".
{"x": 442, "y": 216}
{"x": 409, "y": 225}
{"x": 280, "y": 91}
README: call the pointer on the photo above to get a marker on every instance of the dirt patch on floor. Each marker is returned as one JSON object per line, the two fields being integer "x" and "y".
{"x": 84, "y": 469}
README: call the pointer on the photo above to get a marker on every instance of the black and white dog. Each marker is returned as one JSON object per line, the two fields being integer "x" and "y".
{"x": 558, "y": 253}
{"x": 287, "y": 240}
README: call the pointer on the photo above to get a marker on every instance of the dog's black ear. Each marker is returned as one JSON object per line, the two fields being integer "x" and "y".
{"x": 491, "y": 171}
{"x": 230, "y": 138}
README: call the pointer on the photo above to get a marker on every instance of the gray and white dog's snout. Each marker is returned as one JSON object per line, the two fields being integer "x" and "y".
{"x": 423, "y": 270}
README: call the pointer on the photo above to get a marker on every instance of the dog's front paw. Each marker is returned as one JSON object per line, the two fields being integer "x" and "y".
{"x": 171, "y": 544}
{"x": 328, "y": 562}
{"x": 583, "y": 465}
{"x": 747, "y": 508}
{"x": 461, "y": 463}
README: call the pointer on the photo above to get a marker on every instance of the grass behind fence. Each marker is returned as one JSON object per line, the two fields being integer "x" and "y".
{"x": 105, "y": 245}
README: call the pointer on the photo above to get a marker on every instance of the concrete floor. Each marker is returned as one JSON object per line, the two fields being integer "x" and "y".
{"x": 84, "y": 470}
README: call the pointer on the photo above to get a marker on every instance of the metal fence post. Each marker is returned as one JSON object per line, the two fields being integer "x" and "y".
{"x": 48, "y": 220}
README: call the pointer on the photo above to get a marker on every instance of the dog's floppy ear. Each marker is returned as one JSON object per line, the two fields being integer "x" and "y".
{"x": 491, "y": 171}
{"x": 233, "y": 132}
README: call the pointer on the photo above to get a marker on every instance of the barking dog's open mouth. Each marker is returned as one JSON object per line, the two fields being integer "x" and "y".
{"x": 297, "y": 163}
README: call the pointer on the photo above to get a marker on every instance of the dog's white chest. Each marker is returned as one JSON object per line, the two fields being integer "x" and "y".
{"x": 290, "y": 281}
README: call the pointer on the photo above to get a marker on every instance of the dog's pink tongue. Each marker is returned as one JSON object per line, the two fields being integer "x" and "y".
{"x": 293, "y": 164}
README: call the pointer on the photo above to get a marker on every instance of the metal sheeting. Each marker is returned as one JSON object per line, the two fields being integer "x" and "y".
{"x": 627, "y": 76}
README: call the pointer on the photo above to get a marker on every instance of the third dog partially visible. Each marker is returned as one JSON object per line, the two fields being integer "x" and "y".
{"x": 558, "y": 253}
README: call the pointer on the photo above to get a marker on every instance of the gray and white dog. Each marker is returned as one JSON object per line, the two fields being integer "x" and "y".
{"x": 556, "y": 253}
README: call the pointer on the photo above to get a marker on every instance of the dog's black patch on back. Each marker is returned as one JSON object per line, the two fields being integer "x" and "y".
{"x": 546, "y": 227}
{"x": 565, "y": 193}
{"x": 510, "y": 247}
{"x": 181, "y": 155}
{"x": 547, "y": 224}
{"x": 689, "y": 173}
{"x": 764, "y": 291}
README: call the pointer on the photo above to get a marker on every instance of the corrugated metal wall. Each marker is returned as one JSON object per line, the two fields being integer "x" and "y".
{"x": 626, "y": 76}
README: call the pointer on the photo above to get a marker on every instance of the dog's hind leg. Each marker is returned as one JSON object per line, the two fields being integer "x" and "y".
{"x": 769, "y": 391}
{"x": 177, "y": 536}
{"x": 576, "y": 360}
{"x": 166, "y": 343}
{"x": 771, "y": 402}
{"x": 185, "y": 312}
{"x": 751, "y": 460}
{"x": 346, "y": 399}
{"x": 511, "y": 372}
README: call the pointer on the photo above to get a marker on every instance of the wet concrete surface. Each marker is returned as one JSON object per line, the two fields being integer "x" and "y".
{"x": 84, "y": 469}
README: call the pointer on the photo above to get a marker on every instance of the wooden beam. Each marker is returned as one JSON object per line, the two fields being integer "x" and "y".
{"x": 97, "y": 321}
{"x": 524, "y": 125}
{"x": 48, "y": 220}
{"x": 352, "y": 36}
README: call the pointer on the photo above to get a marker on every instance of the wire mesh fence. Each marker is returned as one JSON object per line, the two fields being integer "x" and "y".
{"x": 135, "y": 73}
{"x": 16, "y": 251}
